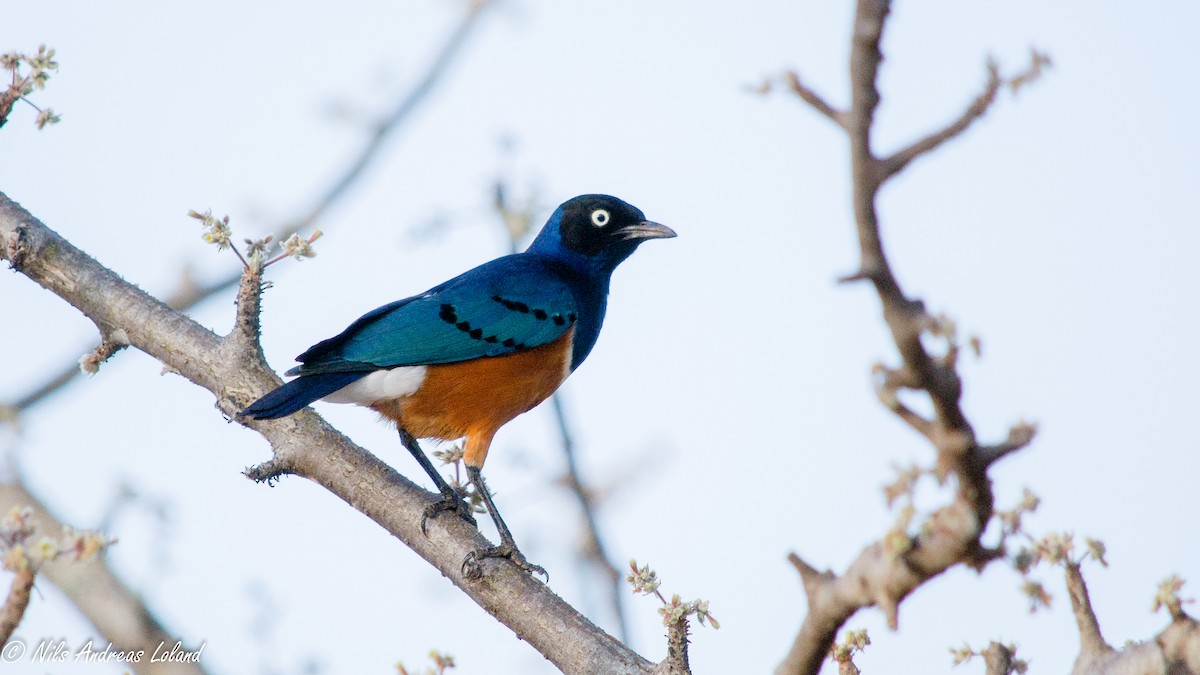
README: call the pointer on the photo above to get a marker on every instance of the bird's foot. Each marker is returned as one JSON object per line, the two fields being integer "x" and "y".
{"x": 448, "y": 502}
{"x": 472, "y": 569}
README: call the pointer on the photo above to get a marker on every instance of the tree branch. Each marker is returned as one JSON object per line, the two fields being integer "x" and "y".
{"x": 400, "y": 113}
{"x": 978, "y": 108}
{"x": 1019, "y": 435}
{"x": 16, "y": 603}
{"x": 308, "y": 445}
{"x": 885, "y": 572}
{"x": 1092, "y": 647}
{"x": 595, "y": 548}
{"x": 998, "y": 659}
{"x": 897, "y": 161}
{"x": 814, "y": 99}
{"x": 104, "y": 600}
{"x": 676, "y": 662}
{"x": 1176, "y": 650}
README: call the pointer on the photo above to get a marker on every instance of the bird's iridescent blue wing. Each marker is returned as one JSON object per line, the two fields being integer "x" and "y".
{"x": 507, "y": 305}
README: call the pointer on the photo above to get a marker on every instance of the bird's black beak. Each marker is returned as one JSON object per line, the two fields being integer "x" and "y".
{"x": 645, "y": 230}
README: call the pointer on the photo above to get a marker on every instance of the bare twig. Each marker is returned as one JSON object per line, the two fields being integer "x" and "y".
{"x": 1020, "y": 435}
{"x": 594, "y": 548}
{"x": 190, "y": 293}
{"x": 400, "y": 113}
{"x": 814, "y": 99}
{"x": 887, "y": 389}
{"x": 111, "y": 343}
{"x": 901, "y": 158}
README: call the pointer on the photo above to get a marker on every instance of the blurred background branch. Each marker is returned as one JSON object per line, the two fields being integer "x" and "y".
{"x": 191, "y": 292}
{"x": 116, "y": 610}
{"x": 887, "y": 571}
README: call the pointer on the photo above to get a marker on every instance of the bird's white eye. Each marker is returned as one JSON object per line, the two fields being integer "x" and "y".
{"x": 599, "y": 217}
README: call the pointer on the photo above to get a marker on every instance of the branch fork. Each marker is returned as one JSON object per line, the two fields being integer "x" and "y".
{"x": 885, "y": 572}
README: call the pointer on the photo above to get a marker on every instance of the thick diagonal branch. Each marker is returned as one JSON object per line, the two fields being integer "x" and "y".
{"x": 307, "y": 445}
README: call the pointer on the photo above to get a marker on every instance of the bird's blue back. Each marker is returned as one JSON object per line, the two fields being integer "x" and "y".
{"x": 510, "y": 304}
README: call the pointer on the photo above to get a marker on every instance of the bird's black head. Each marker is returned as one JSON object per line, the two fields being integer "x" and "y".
{"x": 600, "y": 228}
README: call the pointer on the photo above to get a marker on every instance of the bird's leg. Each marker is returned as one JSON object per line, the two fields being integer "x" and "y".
{"x": 451, "y": 500}
{"x": 506, "y": 549}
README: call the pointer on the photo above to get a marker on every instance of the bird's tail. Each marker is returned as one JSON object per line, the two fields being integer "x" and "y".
{"x": 298, "y": 393}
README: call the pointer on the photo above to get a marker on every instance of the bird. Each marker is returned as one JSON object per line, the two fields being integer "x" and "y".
{"x": 469, "y": 355}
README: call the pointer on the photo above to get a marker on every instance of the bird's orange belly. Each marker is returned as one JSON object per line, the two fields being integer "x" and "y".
{"x": 475, "y": 398}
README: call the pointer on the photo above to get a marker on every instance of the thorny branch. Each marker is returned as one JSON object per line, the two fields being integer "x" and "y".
{"x": 306, "y": 446}
{"x": 883, "y": 575}
{"x": 675, "y": 613}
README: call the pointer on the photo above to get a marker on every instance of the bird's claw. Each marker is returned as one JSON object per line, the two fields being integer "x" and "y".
{"x": 448, "y": 503}
{"x": 473, "y": 569}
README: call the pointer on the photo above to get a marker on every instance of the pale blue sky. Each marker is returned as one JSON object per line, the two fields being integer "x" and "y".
{"x": 1061, "y": 229}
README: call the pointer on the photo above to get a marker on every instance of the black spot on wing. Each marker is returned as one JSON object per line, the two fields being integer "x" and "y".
{"x": 538, "y": 313}
{"x": 449, "y": 314}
